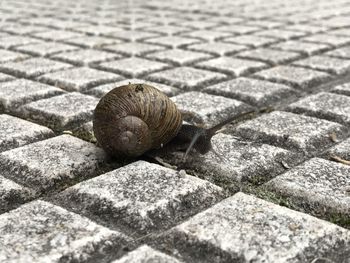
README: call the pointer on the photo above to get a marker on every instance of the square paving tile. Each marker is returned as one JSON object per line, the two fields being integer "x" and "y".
{"x": 208, "y": 35}
{"x": 178, "y": 56}
{"x": 131, "y": 35}
{"x": 7, "y": 55}
{"x": 343, "y": 52}
{"x": 250, "y": 40}
{"x": 332, "y": 40}
{"x": 12, "y": 41}
{"x": 342, "y": 89}
{"x": 45, "y": 48}
{"x": 280, "y": 34}
{"x": 172, "y": 41}
{"x": 217, "y": 48}
{"x": 92, "y": 41}
{"x": 5, "y": 77}
{"x": 133, "y": 48}
{"x": 57, "y": 35}
{"x": 306, "y": 48}
{"x": 271, "y": 56}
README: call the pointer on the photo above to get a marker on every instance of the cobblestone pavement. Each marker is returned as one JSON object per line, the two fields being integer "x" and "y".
{"x": 277, "y": 191}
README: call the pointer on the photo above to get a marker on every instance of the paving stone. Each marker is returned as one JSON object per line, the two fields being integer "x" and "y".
{"x": 178, "y": 56}
{"x": 288, "y": 130}
{"x": 207, "y": 110}
{"x": 264, "y": 23}
{"x": 133, "y": 48}
{"x": 208, "y": 35}
{"x": 317, "y": 186}
{"x": 341, "y": 31}
{"x": 186, "y": 77}
{"x": 45, "y": 48}
{"x": 103, "y": 89}
{"x": 21, "y": 29}
{"x": 79, "y": 79}
{"x": 167, "y": 29}
{"x": 57, "y": 35}
{"x": 172, "y": 41}
{"x": 20, "y": 91}
{"x": 259, "y": 93}
{"x": 12, "y": 194}
{"x": 133, "y": 67}
{"x": 328, "y": 39}
{"x": 231, "y": 65}
{"x": 237, "y": 29}
{"x": 306, "y": 48}
{"x": 53, "y": 163}
{"x": 5, "y": 77}
{"x": 98, "y": 29}
{"x": 16, "y": 132}
{"x": 85, "y": 57}
{"x": 269, "y": 55}
{"x": 280, "y": 34}
{"x": 295, "y": 76}
{"x": 342, "y": 89}
{"x": 92, "y": 41}
{"x": 341, "y": 150}
{"x": 329, "y": 106}
{"x": 217, "y": 48}
{"x": 307, "y": 28}
{"x": 250, "y": 40}
{"x": 202, "y": 24}
{"x": 329, "y": 64}
{"x": 146, "y": 254}
{"x": 343, "y": 52}
{"x": 247, "y": 229}
{"x": 6, "y": 56}
{"x": 32, "y": 67}
{"x": 12, "y": 41}
{"x": 132, "y": 35}
{"x": 141, "y": 197}
{"x": 41, "y": 232}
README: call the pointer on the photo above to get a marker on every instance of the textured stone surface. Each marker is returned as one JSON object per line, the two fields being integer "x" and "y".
{"x": 141, "y": 197}
{"x": 270, "y": 55}
{"x": 324, "y": 105}
{"x": 292, "y": 131}
{"x": 250, "y": 40}
{"x": 32, "y": 67}
{"x": 247, "y": 229}
{"x": 61, "y": 112}
{"x": 281, "y": 34}
{"x": 16, "y": 132}
{"x": 208, "y": 35}
{"x": 328, "y": 39}
{"x": 79, "y": 79}
{"x": 343, "y": 52}
{"x": 52, "y": 163}
{"x": 317, "y": 186}
{"x": 92, "y": 41}
{"x": 341, "y": 150}
{"x": 133, "y": 48}
{"x": 178, "y": 56}
{"x": 7, "y": 55}
{"x": 207, "y": 110}
{"x": 217, "y": 48}
{"x": 12, "y": 41}
{"x": 5, "y": 77}
{"x": 45, "y": 48}
{"x": 295, "y": 76}
{"x": 307, "y": 48}
{"x": 42, "y": 232}
{"x": 342, "y": 89}
{"x": 57, "y": 35}
{"x": 18, "y": 92}
{"x": 186, "y": 77}
{"x": 252, "y": 91}
{"x": 173, "y": 41}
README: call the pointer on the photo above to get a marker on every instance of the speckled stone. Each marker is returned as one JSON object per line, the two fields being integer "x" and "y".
{"x": 186, "y": 77}
{"x": 343, "y": 52}
{"x": 141, "y": 197}
{"x": 292, "y": 131}
{"x": 41, "y": 232}
{"x": 32, "y": 67}
{"x": 280, "y": 33}
{"x": 245, "y": 228}
{"x": 208, "y": 35}
{"x": 7, "y": 55}
{"x": 20, "y": 91}
{"x": 79, "y": 79}
{"x": 16, "y": 132}
{"x": 45, "y": 48}
{"x": 217, "y": 48}
{"x": 57, "y": 35}
{"x": 306, "y": 48}
{"x": 146, "y": 254}
{"x": 12, "y": 194}
{"x": 133, "y": 48}
{"x": 5, "y": 77}
{"x": 329, "y": 106}
{"x": 231, "y": 65}
{"x": 103, "y": 89}
{"x": 92, "y": 41}
{"x": 52, "y": 163}
{"x": 317, "y": 186}
{"x": 208, "y": 110}
{"x": 268, "y": 55}
{"x": 132, "y": 35}
{"x": 329, "y": 39}
{"x": 178, "y": 56}
{"x": 173, "y": 41}
{"x": 295, "y": 76}
{"x": 342, "y": 89}
{"x": 250, "y": 40}
{"x": 259, "y": 93}
{"x": 12, "y": 41}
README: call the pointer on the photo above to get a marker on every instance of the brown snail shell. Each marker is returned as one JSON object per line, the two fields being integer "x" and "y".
{"x": 132, "y": 119}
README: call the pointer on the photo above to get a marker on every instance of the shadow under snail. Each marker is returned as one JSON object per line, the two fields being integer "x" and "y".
{"x": 135, "y": 118}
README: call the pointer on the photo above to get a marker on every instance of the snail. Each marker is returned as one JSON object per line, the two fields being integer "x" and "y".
{"x": 136, "y": 118}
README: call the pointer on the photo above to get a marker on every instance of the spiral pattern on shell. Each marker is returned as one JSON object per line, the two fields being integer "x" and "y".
{"x": 132, "y": 119}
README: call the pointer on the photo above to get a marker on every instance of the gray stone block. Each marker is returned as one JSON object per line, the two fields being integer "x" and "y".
{"x": 186, "y": 78}
{"x": 329, "y": 39}
{"x": 296, "y": 132}
{"x": 307, "y": 28}
{"x": 44, "y": 48}
{"x": 341, "y": 150}
{"x": 342, "y": 89}
{"x": 201, "y": 24}
{"x": 208, "y": 110}
{"x": 16, "y": 132}
{"x": 32, "y": 67}
{"x": 53, "y": 163}
{"x": 61, "y": 112}
{"x": 167, "y": 29}
{"x": 178, "y": 56}
{"x": 250, "y": 40}
{"x": 329, "y": 106}
{"x": 146, "y": 254}
{"x": 133, "y": 48}
{"x": 328, "y": 64}
{"x": 306, "y": 48}
{"x": 343, "y": 52}
{"x": 103, "y": 89}
{"x": 318, "y": 186}
{"x": 141, "y": 197}
{"x": 20, "y": 91}
{"x": 7, "y": 55}
{"x": 243, "y": 228}
{"x": 217, "y": 48}
{"x": 12, "y": 194}
{"x": 5, "y": 77}
{"x": 41, "y": 232}
{"x": 237, "y": 29}
{"x": 230, "y": 65}
{"x": 341, "y": 32}
{"x": 301, "y": 78}
{"x": 92, "y": 41}
{"x": 271, "y": 56}
{"x": 173, "y": 41}
{"x": 259, "y": 93}
{"x": 79, "y": 79}
{"x": 133, "y": 67}
{"x": 57, "y": 35}
{"x": 207, "y": 35}
{"x": 12, "y": 41}
{"x": 131, "y": 35}
{"x": 280, "y": 34}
